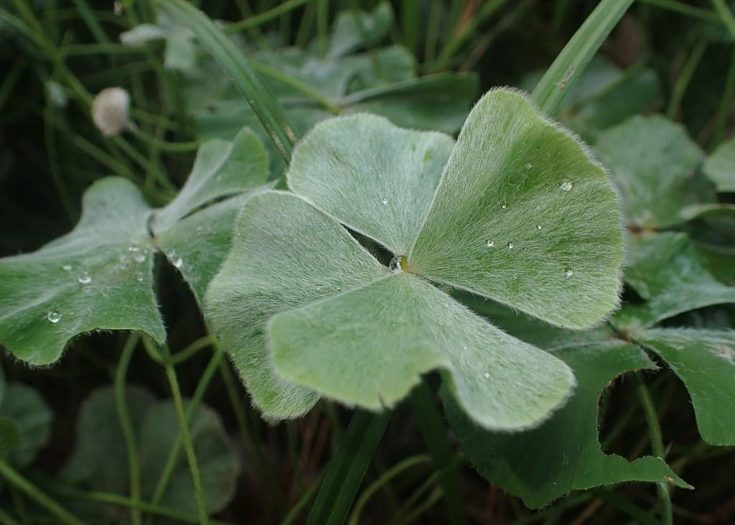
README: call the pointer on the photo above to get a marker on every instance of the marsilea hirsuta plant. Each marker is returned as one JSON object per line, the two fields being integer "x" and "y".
{"x": 516, "y": 211}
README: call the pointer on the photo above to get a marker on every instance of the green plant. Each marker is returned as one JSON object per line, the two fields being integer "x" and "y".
{"x": 333, "y": 242}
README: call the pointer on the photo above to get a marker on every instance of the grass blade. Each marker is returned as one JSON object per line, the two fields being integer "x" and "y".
{"x": 578, "y": 52}
{"x": 347, "y": 468}
{"x": 213, "y": 39}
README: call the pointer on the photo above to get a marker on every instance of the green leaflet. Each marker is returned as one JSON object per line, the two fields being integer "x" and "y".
{"x": 564, "y": 453}
{"x": 720, "y": 167}
{"x": 99, "y": 460}
{"x": 25, "y": 424}
{"x": 306, "y": 311}
{"x": 641, "y": 153}
{"x": 705, "y": 362}
{"x": 524, "y": 216}
{"x": 100, "y": 275}
{"x": 670, "y": 273}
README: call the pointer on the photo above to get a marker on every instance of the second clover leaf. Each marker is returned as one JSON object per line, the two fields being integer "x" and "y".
{"x": 516, "y": 211}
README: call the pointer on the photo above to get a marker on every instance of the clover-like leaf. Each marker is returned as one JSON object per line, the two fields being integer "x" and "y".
{"x": 306, "y": 311}
{"x": 720, "y": 167}
{"x": 667, "y": 270}
{"x": 564, "y": 453}
{"x": 653, "y": 162}
{"x": 100, "y": 275}
{"x": 354, "y": 29}
{"x": 100, "y": 459}
{"x": 705, "y": 362}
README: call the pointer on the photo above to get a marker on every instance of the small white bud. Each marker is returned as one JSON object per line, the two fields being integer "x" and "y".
{"x": 110, "y": 111}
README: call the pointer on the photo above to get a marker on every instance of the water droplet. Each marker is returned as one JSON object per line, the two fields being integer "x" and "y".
{"x": 178, "y": 262}
{"x": 510, "y": 245}
{"x": 486, "y": 375}
{"x": 53, "y": 317}
{"x": 66, "y": 267}
{"x": 385, "y": 202}
{"x": 566, "y": 185}
{"x": 503, "y": 205}
{"x": 139, "y": 258}
{"x": 133, "y": 248}
{"x": 568, "y": 272}
{"x": 529, "y": 166}
{"x": 84, "y": 278}
{"x": 515, "y": 277}
{"x": 397, "y": 263}
{"x": 139, "y": 277}
{"x": 490, "y": 243}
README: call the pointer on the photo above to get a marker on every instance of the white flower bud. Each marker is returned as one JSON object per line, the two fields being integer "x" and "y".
{"x": 110, "y": 111}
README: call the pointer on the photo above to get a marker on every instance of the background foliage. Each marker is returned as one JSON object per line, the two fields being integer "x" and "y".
{"x": 96, "y": 437}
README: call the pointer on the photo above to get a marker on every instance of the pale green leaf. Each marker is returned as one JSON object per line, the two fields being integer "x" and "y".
{"x": 525, "y": 216}
{"x": 369, "y": 346}
{"x": 305, "y": 310}
{"x": 667, "y": 270}
{"x": 720, "y": 167}
{"x": 564, "y": 453}
{"x": 354, "y": 29}
{"x": 99, "y": 276}
{"x": 87, "y": 280}
{"x": 285, "y": 254}
{"x": 376, "y": 178}
{"x": 653, "y": 162}
{"x": 705, "y": 361}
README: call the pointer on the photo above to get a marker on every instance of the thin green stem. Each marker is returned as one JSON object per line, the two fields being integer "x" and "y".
{"x": 265, "y": 16}
{"x": 573, "y": 59}
{"x": 691, "y": 11}
{"x": 726, "y": 102}
{"x": 322, "y": 25}
{"x": 726, "y": 15}
{"x": 297, "y": 84}
{"x": 123, "y": 415}
{"x": 657, "y": 445}
{"x": 184, "y": 434}
{"x": 204, "y": 382}
{"x": 13, "y": 477}
{"x": 192, "y": 349}
{"x": 382, "y": 480}
{"x": 685, "y": 77}
{"x": 7, "y": 519}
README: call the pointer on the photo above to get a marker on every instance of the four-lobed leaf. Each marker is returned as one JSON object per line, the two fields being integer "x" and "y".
{"x": 520, "y": 213}
{"x": 564, "y": 453}
{"x": 100, "y": 275}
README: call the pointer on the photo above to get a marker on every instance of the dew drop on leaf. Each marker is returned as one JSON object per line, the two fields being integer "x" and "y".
{"x": 504, "y": 205}
{"x": 66, "y": 267}
{"x": 568, "y": 272}
{"x": 490, "y": 243}
{"x": 178, "y": 262}
{"x": 566, "y": 185}
{"x": 510, "y": 245}
{"x": 84, "y": 278}
{"x": 53, "y": 317}
{"x": 396, "y": 264}
{"x": 539, "y": 227}
{"x": 139, "y": 258}
{"x": 133, "y": 248}
{"x": 486, "y": 375}
{"x": 139, "y": 277}
{"x": 385, "y": 202}
{"x": 529, "y": 166}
